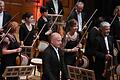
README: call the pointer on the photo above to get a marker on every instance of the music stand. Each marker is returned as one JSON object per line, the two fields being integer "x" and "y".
{"x": 118, "y": 44}
{"x": 27, "y": 50}
{"x": 77, "y": 73}
{"x": 16, "y": 71}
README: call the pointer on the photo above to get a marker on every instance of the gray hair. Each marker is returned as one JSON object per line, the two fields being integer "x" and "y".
{"x": 104, "y": 24}
{"x": 79, "y": 3}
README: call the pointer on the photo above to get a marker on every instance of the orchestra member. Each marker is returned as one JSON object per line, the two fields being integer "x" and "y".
{"x": 53, "y": 63}
{"x": 89, "y": 48}
{"x": 9, "y": 49}
{"x": 71, "y": 42}
{"x": 27, "y": 30}
{"x": 103, "y": 50}
{"x": 4, "y": 16}
{"x": 41, "y": 22}
{"x": 78, "y": 15}
{"x": 54, "y": 7}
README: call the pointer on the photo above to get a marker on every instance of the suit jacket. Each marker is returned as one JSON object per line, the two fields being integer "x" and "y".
{"x": 52, "y": 66}
{"x": 50, "y": 6}
{"x": 74, "y": 16}
{"x": 6, "y": 18}
{"x": 100, "y": 52}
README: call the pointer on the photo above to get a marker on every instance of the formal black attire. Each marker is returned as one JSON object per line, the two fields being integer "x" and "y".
{"x": 74, "y": 15}
{"x": 9, "y": 59}
{"x": 41, "y": 22}
{"x": 100, "y": 52}
{"x": 26, "y": 36}
{"x": 115, "y": 32}
{"x": 70, "y": 57}
{"x": 51, "y": 9}
{"x": 52, "y": 65}
{"x": 6, "y": 18}
{"x": 89, "y": 48}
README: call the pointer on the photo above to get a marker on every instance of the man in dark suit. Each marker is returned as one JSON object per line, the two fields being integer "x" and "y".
{"x": 4, "y": 16}
{"x": 103, "y": 50}
{"x": 78, "y": 15}
{"x": 54, "y": 6}
{"x": 53, "y": 63}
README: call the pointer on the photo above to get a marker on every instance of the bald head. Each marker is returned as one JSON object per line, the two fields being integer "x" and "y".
{"x": 56, "y": 39}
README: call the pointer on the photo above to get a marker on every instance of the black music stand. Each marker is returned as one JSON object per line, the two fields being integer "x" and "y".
{"x": 16, "y": 71}
{"x": 27, "y": 50}
{"x": 77, "y": 73}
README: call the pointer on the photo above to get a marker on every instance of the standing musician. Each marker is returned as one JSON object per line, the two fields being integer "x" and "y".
{"x": 78, "y": 15}
{"x": 27, "y": 30}
{"x": 54, "y": 6}
{"x": 115, "y": 27}
{"x": 53, "y": 63}
{"x": 103, "y": 50}
{"x": 70, "y": 43}
{"x": 4, "y": 16}
{"x": 9, "y": 49}
{"x": 41, "y": 21}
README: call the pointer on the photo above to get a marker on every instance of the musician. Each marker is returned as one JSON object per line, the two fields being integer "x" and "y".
{"x": 115, "y": 28}
{"x": 54, "y": 6}
{"x": 10, "y": 49}
{"x": 103, "y": 50}
{"x": 4, "y": 16}
{"x": 70, "y": 43}
{"x": 53, "y": 63}
{"x": 41, "y": 21}
{"x": 27, "y": 30}
{"x": 89, "y": 48}
{"x": 78, "y": 15}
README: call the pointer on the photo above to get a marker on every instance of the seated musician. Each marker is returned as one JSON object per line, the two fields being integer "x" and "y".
{"x": 70, "y": 43}
{"x": 103, "y": 50}
{"x": 10, "y": 49}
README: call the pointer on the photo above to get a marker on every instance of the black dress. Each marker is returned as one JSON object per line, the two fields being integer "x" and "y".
{"x": 70, "y": 57}
{"x": 9, "y": 59}
{"x": 26, "y": 36}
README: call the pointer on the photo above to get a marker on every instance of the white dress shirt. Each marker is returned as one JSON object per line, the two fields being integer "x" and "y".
{"x": 56, "y": 50}
{"x": 106, "y": 43}
{"x": 55, "y": 3}
{"x": 1, "y": 19}
{"x": 119, "y": 19}
{"x": 79, "y": 22}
